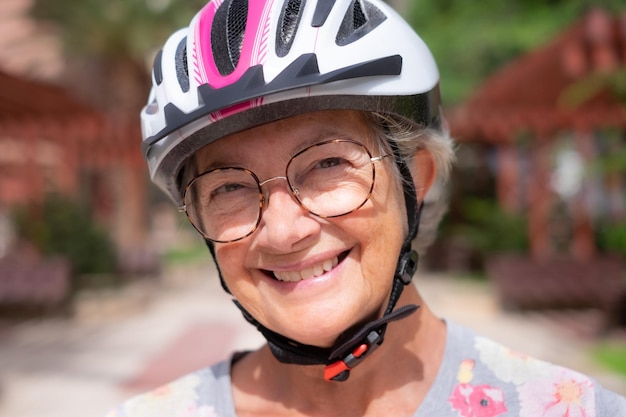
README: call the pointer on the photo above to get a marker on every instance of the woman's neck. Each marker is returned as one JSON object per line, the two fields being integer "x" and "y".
{"x": 395, "y": 379}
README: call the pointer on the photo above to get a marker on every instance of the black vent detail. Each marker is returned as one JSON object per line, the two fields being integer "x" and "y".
{"x": 288, "y": 25}
{"x": 358, "y": 15}
{"x": 182, "y": 69}
{"x": 362, "y": 17}
{"x": 229, "y": 26}
{"x": 322, "y": 11}
{"x": 157, "y": 70}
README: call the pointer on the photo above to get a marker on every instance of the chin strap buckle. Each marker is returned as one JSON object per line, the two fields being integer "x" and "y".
{"x": 340, "y": 369}
{"x": 407, "y": 266}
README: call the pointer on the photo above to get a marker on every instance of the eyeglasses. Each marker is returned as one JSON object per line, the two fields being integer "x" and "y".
{"x": 329, "y": 179}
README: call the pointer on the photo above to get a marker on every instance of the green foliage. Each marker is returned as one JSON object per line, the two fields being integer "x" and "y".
{"x": 611, "y": 156}
{"x": 60, "y": 226}
{"x": 187, "y": 254}
{"x": 109, "y": 45}
{"x": 611, "y": 238}
{"x": 114, "y": 28}
{"x": 611, "y": 356}
{"x": 470, "y": 40}
{"x": 489, "y": 229}
{"x": 593, "y": 84}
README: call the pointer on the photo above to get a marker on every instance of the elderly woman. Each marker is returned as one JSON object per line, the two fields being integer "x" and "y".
{"x": 301, "y": 138}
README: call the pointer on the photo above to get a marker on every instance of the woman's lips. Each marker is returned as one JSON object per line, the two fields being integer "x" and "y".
{"x": 310, "y": 272}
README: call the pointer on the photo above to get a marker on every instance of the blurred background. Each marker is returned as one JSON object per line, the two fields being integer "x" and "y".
{"x": 106, "y": 291}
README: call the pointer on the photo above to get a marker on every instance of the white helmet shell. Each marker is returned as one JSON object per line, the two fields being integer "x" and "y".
{"x": 243, "y": 63}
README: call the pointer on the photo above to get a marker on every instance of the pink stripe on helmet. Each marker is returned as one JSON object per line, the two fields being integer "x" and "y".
{"x": 254, "y": 49}
{"x": 236, "y": 108}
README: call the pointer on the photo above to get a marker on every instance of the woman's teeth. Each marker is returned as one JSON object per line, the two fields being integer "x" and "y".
{"x": 314, "y": 271}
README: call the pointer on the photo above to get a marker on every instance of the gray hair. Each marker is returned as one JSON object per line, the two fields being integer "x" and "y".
{"x": 410, "y": 138}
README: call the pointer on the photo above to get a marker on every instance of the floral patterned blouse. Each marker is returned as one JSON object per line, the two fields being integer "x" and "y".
{"x": 478, "y": 378}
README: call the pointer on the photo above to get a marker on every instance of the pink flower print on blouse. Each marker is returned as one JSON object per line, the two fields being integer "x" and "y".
{"x": 564, "y": 394}
{"x": 475, "y": 400}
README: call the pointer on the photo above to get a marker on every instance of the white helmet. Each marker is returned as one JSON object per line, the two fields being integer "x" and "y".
{"x": 243, "y": 63}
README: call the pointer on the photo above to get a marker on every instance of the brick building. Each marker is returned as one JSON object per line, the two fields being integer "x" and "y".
{"x": 549, "y": 117}
{"x": 50, "y": 142}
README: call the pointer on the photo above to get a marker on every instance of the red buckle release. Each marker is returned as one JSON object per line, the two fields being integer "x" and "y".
{"x": 334, "y": 371}
{"x": 358, "y": 352}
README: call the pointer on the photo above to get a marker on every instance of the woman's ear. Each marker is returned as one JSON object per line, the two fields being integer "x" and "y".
{"x": 424, "y": 172}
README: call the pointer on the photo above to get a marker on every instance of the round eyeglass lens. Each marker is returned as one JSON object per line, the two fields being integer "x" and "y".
{"x": 224, "y": 204}
{"x": 332, "y": 178}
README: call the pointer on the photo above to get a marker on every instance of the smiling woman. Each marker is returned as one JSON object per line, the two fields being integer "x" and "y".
{"x": 301, "y": 139}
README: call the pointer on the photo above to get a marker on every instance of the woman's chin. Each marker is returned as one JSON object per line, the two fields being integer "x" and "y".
{"x": 317, "y": 332}
{"x": 323, "y": 340}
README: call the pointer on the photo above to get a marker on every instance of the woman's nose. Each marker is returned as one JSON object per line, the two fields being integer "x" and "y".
{"x": 284, "y": 222}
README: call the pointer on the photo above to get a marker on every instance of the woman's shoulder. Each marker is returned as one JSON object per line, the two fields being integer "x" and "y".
{"x": 203, "y": 393}
{"x": 506, "y": 380}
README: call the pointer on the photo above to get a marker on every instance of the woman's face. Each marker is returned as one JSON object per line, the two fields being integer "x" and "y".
{"x": 346, "y": 263}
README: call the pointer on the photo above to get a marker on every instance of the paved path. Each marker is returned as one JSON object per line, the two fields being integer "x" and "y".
{"x": 123, "y": 343}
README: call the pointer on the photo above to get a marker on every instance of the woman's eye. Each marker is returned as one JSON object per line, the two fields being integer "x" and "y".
{"x": 227, "y": 188}
{"x": 330, "y": 162}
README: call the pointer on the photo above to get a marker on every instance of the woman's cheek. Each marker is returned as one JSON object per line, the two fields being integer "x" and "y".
{"x": 231, "y": 260}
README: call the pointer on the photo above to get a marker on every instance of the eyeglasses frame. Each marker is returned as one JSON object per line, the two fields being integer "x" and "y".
{"x": 292, "y": 190}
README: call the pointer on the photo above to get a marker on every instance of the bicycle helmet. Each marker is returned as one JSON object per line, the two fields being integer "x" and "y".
{"x": 243, "y": 63}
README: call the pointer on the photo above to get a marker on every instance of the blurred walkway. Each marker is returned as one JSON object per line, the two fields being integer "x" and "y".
{"x": 124, "y": 343}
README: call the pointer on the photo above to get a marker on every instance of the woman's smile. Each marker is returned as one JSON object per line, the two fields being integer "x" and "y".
{"x": 316, "y": 270}
{"x": 306, "y": 273}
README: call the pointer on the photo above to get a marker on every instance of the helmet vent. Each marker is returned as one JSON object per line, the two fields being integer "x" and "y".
{"x": 227, "y": 34}
{"x": 288, "y": 25}
{"x": 362, "y": 17}
{"x": 358, "y": 15}
{"x": 182, "y": 70}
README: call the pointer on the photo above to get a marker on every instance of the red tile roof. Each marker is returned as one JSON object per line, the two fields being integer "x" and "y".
{"x": 20, "y": 97}
{"x": 533, "y": 92}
